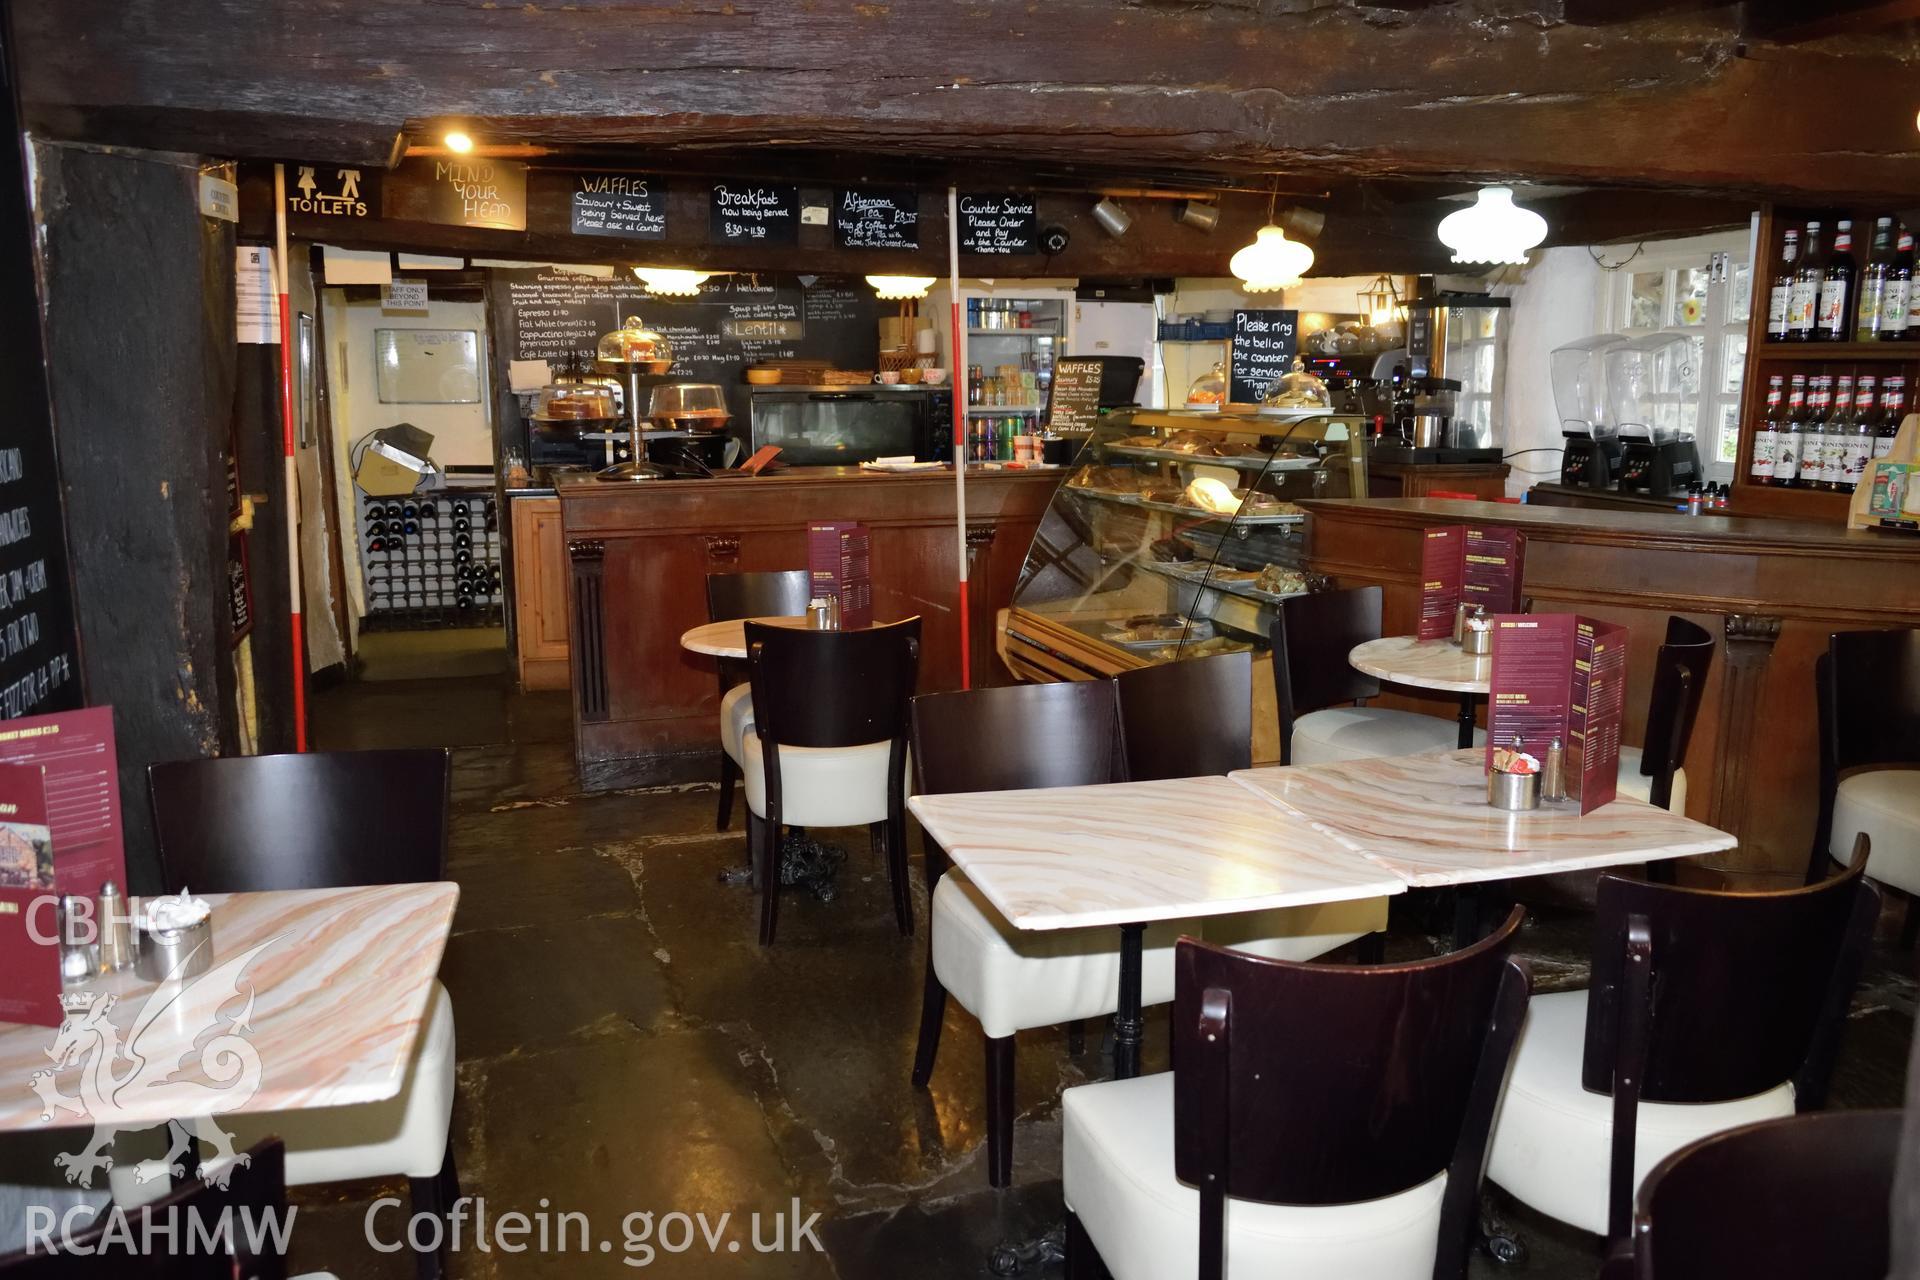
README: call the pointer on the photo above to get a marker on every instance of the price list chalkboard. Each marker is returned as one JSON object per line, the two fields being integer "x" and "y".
{"x": 1075, "y": 401}
{"x": 1264, "y": 345}
{"x": 999, "y": 224}
{"x": 623, "y": 205}
{"x": 754, "y": 213}
{"x": 874, "y": 219}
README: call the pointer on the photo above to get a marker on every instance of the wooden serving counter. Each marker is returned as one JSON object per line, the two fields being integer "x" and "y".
{"x": 1771, "y": 589}
{"x": 638, "y": 556}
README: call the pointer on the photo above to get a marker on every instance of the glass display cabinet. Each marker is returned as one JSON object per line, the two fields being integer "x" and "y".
{"x": 1176, "y": 536}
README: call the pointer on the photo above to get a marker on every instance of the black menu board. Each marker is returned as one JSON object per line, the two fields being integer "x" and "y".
{"x": 870, "y": 218}
{"x": 1075, "y": 400}
{"x": 625, "y": 205}
{"x": 998, "y": 223}
{"x": 478, "y": 193}
{"x": 754, "y": 213}
{"x": 1264, "y": 345}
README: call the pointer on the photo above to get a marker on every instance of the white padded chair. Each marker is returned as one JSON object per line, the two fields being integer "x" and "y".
{"x": 827, "y": 745}
{"x": 1312, "y": 1126}
{"x": 730, "y": 596}
{"x": 1753, "y": 995}
{"x": 1868, "y": 685}
{"x": 1012, "y": 979}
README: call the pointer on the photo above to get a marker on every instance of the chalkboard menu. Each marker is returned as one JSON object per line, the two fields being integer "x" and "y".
{"x": 998, "y": 224}
{"x": 624, "y": 205}
{"x": 1264, "y": 344}
{"x": 876, "y": 219}
{"x": 478, "y": 193}
{"x": 754, "y": 213}
{"x": 1075, "y": 400}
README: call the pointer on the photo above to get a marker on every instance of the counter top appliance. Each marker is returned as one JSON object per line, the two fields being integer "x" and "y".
{"x": 1591, "y": 456}
{"x": 1646, "y": 396}
{"x": 846, "y": 425}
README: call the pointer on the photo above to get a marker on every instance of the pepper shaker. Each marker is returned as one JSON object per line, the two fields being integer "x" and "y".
{"x": 1554, "y": 785}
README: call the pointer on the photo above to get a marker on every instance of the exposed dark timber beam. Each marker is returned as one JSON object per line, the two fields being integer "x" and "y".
{"x": 1476, "y": 89}
{"x": 1794, "y": 23}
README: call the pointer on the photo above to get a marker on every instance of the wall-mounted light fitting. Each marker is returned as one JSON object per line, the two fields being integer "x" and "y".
{"x": 900, "y": 288}
{"x": 671, "y": 282}
{"x": 458, "y": 141}
{"x": 1111, "y": 217}
{"x": 1198, "y": 214}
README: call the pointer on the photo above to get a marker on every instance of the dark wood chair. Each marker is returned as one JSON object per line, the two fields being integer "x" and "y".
{"x": 1317, "y": 688}
{"x": 1367, "y": 1093}
{"x": 1679, "y": 676}
{"x": 255, "y": 1197}
{"x": 776, "y": 593}
{"x": 320, "y": 820}
{"x": 329, "y": 819}
{"x": 829, "y": 745}
{"x": 1867, "y": 686}
{"x": 1706, "y": 1011}
{"x": 1189, "y": 718}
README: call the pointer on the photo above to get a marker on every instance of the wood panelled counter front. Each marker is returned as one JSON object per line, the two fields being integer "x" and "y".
{"x": 639, "y": 555}
{"x": 1773, "y": 590}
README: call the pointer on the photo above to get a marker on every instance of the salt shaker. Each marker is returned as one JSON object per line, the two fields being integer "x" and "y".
{"x": 116, "y": 929}
{"x": 79, "y": 944}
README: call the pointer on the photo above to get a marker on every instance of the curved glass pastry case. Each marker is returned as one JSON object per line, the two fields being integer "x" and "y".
{"x": 1176, "y": 536}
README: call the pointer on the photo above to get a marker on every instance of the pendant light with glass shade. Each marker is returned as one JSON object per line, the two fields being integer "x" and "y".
{"x": 1493, "y": 229}
{"x": 900, "y": 288}
{"x": 671, "y": 282}
{"x": 1272, "y": 261}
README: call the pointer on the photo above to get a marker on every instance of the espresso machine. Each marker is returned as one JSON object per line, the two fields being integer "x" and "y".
{"x": 1591, "y": 457}
{"x": 1646, "y": 391}
{"x": 1422, "y": 425}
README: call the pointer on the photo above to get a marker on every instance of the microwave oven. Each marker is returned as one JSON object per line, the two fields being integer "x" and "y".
{"x": 826, "y": 426}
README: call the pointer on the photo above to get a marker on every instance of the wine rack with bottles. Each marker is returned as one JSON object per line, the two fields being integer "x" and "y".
{"x": 1839, "y": 343}
{"x": 431, "y": 559}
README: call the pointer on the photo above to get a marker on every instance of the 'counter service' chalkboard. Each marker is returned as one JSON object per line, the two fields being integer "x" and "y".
{"x": 998, "y": 224}
{"x": 1264, "y": 344}
{"x": 877, "y": 219}
{"x": 754, "y": 213}
{"x": 625, "y": 205}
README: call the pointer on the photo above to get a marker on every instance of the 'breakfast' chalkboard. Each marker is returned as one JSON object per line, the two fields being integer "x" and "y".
{"x": 1264, "y": 345}
{"x": 754, "y": 213}
{"x": 998, "y": 224}
{"x": 1075, "y": 400}
{"x": 876, "y": 219}
{"x": 624, "y": 205}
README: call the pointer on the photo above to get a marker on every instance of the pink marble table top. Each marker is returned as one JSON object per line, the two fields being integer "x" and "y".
{"x": 331, "y": 985}
{"x": 1426, "y": 819}
{"x": 1067, "y": 857}
{"x": 1424, "y": 664}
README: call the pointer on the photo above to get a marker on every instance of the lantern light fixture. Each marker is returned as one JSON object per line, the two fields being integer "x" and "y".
{"x": 1493, "y": 229}
{"x": 900, "y": 288}
{"x": 1271, "y": 262}
{"x": 671, "y": 282}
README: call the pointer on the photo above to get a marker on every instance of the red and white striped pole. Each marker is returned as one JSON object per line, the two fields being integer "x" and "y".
{"x": 297, "y": 635}
{"x": 956, "y": 379}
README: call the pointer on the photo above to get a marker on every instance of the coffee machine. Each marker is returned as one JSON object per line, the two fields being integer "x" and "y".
{"x": 1591, "y": 457}
{"x": 1646, "y": 391}
{"x": 1422, "y": 424}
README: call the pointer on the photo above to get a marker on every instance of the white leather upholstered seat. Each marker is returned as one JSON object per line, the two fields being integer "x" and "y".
{"x": 1118, "y": 1173}
{"x": 1367, "y": 733}
{"x": 1638, "y": 786}
{"x": 820, "y": 786}
{"x": 1012, "y": 979}
{"x": 1552, "y": 1139}
{"x": 1884, "y": 803}
{"x": 736, "y": 720}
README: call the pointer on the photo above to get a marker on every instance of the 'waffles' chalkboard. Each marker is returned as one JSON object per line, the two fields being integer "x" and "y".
{"x": 1075, "y": 401}
{"x": 1264, "y": 345}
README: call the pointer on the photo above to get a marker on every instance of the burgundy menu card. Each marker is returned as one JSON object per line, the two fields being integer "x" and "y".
{"x": 837, "y": 566}
{"x": 1491, "y": 578}
{"x": 29, "y": 970}
{"x": 1441, "y": 566}
{"x": 1599, "y": 706}
{"x": 75, "y": 751}
{"x": 1556, "y": 675}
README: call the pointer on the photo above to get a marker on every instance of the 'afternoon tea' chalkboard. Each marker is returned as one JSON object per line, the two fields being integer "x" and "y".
{"x": 998, "y": 224}
{"x": 754, "y": 213}
{"x": 1264, "y": 345}
{"x": 630, "y": 206}
{"x": 877, "y": 219}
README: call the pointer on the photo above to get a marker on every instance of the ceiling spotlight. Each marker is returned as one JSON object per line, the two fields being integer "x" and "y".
{"x": 671, "y": 282}
{"x": 1271, "y": 262}
{"x": 1198, "y": 214}
{"x": 457, "y": 142}
{"x": 1493, "y": 229}
{"x": 1112, "y": 217}
{"x": 900, "y": 288}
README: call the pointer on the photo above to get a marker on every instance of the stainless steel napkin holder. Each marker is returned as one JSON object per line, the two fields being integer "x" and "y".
{"x": 1514, "y": 792}
{"x": 176, "y": 953}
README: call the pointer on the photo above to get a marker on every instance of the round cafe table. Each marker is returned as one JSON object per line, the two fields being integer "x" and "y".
{"x": 728, "y": 639}
{"x": 1429, "y": 664}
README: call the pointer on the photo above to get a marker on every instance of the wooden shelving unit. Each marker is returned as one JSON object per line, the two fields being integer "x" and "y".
{"x": 1765, "y": 358}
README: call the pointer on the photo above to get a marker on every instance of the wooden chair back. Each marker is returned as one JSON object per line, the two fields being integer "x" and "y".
{"x": 778, "y": 593}
{"x": 323, "y": 819}
{"x": 1315, "y": 1084}
{"x": 1188, "y": 718}
{"x": 1021, "y": 736}
{"x": 1867, "y": 692}
{"x": 1679, "y": 676}
{"x": 832, "y": 688}
{"x": 1311, "y": 640}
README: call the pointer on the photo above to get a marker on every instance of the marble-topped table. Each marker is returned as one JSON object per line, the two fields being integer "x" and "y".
{"x": 1426, "y": 819}
{"x": 338, "y": 981}
{"x": 1428, "y": 664}
{"x": 728, "y": 639}
{"x": 1132, "y": 852}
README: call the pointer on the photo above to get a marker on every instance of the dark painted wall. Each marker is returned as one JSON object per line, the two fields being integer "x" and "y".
{"x": 140, "y": 345}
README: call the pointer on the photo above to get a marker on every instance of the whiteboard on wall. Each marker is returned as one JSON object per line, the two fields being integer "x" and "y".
{"x": 427, "y": 366}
